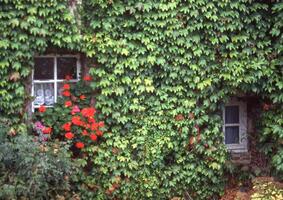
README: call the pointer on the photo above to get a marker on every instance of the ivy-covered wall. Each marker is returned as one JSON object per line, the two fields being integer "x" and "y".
{"x": 162, "y": 71}
{"x": 28, "y": 28}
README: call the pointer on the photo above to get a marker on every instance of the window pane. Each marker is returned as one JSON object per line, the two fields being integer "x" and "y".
{"x": 231, "y": 114}
{"x": 232, "y": 135}
{"x": 44, "y": 94}
{"x": 66, "y": 66}
{"x": 43, "y": 68}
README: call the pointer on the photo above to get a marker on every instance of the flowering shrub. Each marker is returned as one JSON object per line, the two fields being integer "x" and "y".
{"x": 72, "y": 118}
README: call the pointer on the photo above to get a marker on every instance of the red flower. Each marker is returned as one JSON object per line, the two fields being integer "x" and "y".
{"x": 68, "y": 77}
{"x": 75, "y": 110}
{"x": 93, "y": 137}
{"x": 69, "y": 135}
{"x": 67, "y": 126}
{"x": 101, "y": 124}
{"x": 77, "y": 120}
{"x": 91, "y": 120}
{"x": 68, "y": 104}
{"x": 87, "y": 78}
{"x": 88, "y": 112}
{"x": 46, "y": 130}
{"x": 66, "y": 86}
{"x": 84, "y": 132}
{"x": 42, "y": 109}
{"x": 99, "y": 133}
{"x": 80, "y": 145}
{"x": 66, "y": 93}
{"x": 94, "y": 126}
{"x": 82, "y": 97}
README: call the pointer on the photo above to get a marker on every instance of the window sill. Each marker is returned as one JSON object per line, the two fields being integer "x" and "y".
{"x": 237, "y": 148}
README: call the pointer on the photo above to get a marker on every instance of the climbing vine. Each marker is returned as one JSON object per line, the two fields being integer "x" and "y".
{"x": 29, "y": 28}
{"x": 162, "y": 72}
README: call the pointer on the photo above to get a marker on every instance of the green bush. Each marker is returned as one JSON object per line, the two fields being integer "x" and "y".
{"x": 162, "y": 70}
{"x": 32, "y": 170}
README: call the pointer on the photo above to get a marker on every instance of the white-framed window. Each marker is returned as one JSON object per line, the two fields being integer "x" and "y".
{"x": 235, "y": 125}
{"x": 48, "y": 75}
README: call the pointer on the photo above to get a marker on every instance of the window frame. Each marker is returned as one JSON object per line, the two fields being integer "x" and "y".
{"x": 55, "y": 81}
{"x": 243, "y": 140}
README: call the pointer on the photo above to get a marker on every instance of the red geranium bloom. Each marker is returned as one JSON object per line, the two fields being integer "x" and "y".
{"x": 68, "y": 104}
{"x": 101, "y": 124}
{"x": 66, "y": 93}
{"x": 84, "y": 132}
{"x": 82, "y": 97}
{"x": 91, "y": 120}
{"x": 94, "y": 126}
{"x": 93, "y": 137}
{"x": 79, "y": 145}
{"x": 75, "y": 109}
{"x": 77, "y": 120}
{"x": 99, "y": 133}
{"x": 67, "y": 126}
{"x": 87, "y": 78}
{"x": 68, "y": 77}
{"x": 88, "y": 112}
{"x": 42, "y": 109}
{"x": 46, "y": 130}
{"x": 66, "y": 86}
{"x": 69, "y": 135}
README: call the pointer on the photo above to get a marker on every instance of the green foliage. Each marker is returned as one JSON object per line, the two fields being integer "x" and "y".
{"x": 32, "y": 170}
{"x": 272, "y": 136}
{"x": 157, "y": 60}
{"x": 29, "y": 28}
{"x": 163, "y": 70}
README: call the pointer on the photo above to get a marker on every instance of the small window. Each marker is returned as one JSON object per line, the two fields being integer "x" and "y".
{"x": 235, "y": 125}
{"x": 48, "y": 76}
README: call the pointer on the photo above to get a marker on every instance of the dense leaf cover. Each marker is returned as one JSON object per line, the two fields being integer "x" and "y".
{"x": 27, "y": 28}
{"x": 162, "y": 71}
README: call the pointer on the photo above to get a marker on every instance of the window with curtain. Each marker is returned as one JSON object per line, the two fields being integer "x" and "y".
{"x": 48, "y": 76}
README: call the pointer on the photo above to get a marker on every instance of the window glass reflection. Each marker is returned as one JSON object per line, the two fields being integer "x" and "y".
{"x": 43, "y": 68}
{"x": 231, "y": 114}
{"x": 232, "y": 135}
{"x": 66, "y": 66}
